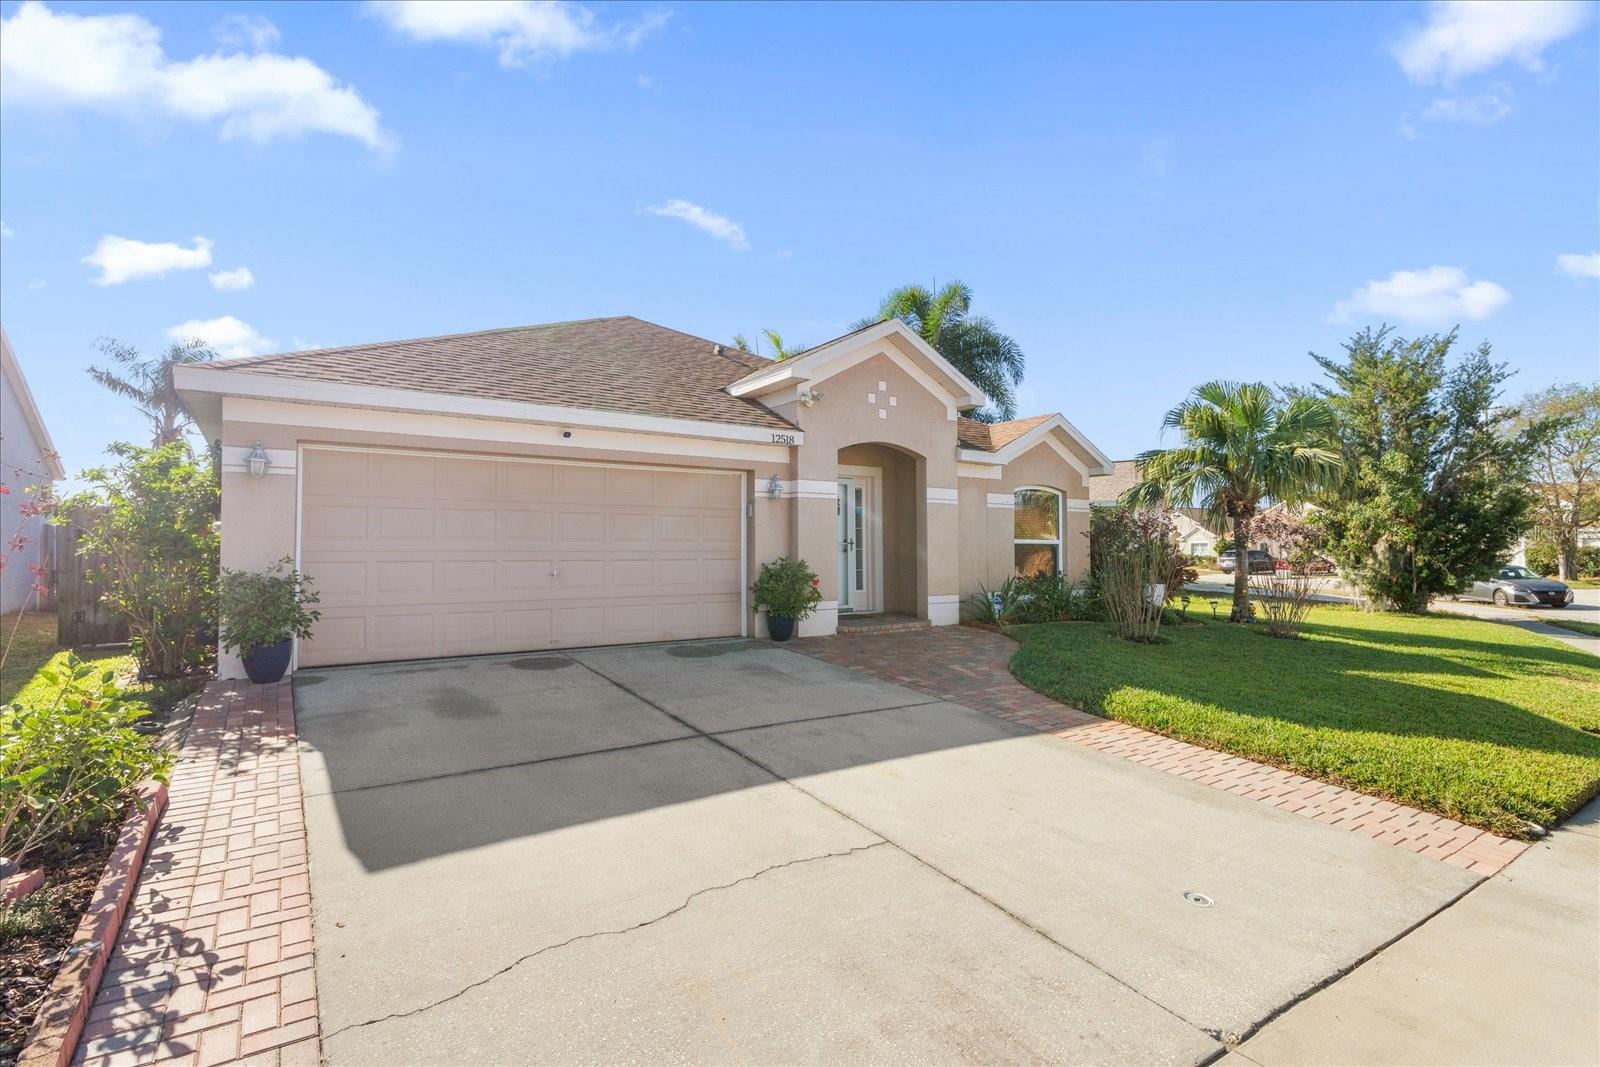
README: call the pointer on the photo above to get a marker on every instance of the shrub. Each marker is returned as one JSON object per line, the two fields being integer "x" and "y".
{"x": 1285, "y": 594}
{"x": 1543, "y": 556}
{"x": 980, "y": 605}
{"x": 787, "y": 587}
{"x": 1132, "y": 552}
{"x": 73, "y": 762}
{"x": 1589, "y": 560}
{"x": 261, "y": 609}
{"x": 1042, "y": 598}
{"x": 152, "y": 518}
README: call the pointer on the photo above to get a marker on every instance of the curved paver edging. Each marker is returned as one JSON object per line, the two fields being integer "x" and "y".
{"x": 54, "y": 1037}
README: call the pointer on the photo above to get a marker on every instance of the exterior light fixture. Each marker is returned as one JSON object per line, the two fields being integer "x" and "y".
{"x": 774, "y": 488}
{"x": 256, "y": 461}
{"x": 809, "y": 397}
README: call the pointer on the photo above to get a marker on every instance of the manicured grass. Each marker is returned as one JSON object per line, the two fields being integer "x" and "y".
{"x": 35, "y": 648}
{"x": 1485, "y": 723}
{"x": 1584, "y": 583}
{"x": 1590, "y": 628}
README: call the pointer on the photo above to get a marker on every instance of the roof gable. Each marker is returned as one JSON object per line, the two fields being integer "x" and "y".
{"x": 1002, "y": 442}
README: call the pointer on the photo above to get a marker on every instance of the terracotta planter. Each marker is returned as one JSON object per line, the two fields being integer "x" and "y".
{"x": 268, "y": 662}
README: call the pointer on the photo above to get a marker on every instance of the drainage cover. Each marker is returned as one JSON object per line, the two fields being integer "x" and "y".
{"x": 1198, "y": 899}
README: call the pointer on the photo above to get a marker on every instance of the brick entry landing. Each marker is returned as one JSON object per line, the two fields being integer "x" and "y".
{"x": 968, "y": 666}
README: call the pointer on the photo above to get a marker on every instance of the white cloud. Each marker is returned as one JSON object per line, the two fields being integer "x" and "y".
{"x": 122, "y": 259}
{"x": 644, "y": 81}
{"x": 254, "y": 33}
{"x": 237, "y": 278}
{"x": 520, "y": 30}
{"x": 6, "y": 231}
{"x": 1485, "y": 109}
{"x": 719, "y": 226}
{"x": 1433, "y": 295}
{"x": 228, "y": 336}
{"x": 1467, "y": 36}
{"x": 115, "y": 63}
{"x": 37, "y": 283}
{"x": 1579, "y": 264}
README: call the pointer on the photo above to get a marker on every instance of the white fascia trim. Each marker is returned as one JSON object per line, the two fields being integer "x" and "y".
{"x": 342, "y": 394}
{"x": 1033, "y": 437}
{"x": 819, "y": 363}
{"x": 944, "y": 610}
{"x": 281, "y": 460}
{"x": 237, "y": 409}
{"x": 938, "y": 495}
{"x": 1003, "y": 500}
{"x": 1077, "y": 505}
{"x": 977, "y": 470}
{"x": 809, "y": 489}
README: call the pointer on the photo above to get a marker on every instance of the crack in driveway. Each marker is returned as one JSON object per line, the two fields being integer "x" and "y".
{"x": 520, "y": 960}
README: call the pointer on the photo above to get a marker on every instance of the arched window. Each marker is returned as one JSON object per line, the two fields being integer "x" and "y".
{"x": 1037, "y": 531}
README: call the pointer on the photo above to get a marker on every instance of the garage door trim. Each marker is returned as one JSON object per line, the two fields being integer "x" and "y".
{"x": 744, "y": 503}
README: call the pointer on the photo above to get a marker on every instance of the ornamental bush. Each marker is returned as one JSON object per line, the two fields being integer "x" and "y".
{"x": 787, "y": 588}
{"x": 73, "y": 762}
{"x": 264, "y": 608}
{"x": 151, "y": 519}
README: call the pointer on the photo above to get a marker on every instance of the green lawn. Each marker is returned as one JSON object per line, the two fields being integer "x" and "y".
{"x": 1481, "y": 722}
{"x": 35, "y": 647}
{"x": 1590, "y": 628}
{"x": 1583, "y": 583}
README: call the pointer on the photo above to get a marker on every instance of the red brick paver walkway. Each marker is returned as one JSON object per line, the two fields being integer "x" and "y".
{"x": 213, "y": 965}
{"x": 969, "y": 666}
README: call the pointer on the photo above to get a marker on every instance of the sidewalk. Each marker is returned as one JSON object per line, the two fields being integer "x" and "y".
{"x": 1509, "y": 974}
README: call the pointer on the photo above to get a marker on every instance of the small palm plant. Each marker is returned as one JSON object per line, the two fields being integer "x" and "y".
{"x": 149, "y": 383}
{"x": 1243, "y": 446}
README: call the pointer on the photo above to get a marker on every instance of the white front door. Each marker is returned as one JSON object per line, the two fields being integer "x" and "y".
{"x": 855, "y": 555}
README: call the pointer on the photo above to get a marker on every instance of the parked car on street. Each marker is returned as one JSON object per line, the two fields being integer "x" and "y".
{"x": 1314, "y": 565}
{"x": 1520, "y": 587}
{"x": 1260, "y": 562}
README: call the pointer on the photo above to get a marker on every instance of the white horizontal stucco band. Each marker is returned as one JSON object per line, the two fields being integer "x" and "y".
{"x": 1078, "y": 505}
{"x": 822, "y": 622}
{"x": 280, "y": 460}
{"x": 944, "y": 610}
{"x": 1002, "y": 500}
{"x": 937, "y": 495}
{"x": 978, "y": 470}
{"x": 810, "y": 489}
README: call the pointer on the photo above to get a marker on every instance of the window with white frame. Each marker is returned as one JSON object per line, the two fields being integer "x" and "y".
{"x": 1036, "y": 531}
{"x": 1198, "y": 548}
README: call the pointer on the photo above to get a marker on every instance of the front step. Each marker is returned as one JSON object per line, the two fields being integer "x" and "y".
{"x": 880, "y": 623}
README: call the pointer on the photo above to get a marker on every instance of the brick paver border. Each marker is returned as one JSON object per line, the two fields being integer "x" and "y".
{"x": 214, "y": 963}
{"x": 969, "y": 666}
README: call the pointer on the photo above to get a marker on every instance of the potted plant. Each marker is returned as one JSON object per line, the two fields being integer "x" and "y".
{"x": 262, "y": 613}
{"x": 788, "y": 589}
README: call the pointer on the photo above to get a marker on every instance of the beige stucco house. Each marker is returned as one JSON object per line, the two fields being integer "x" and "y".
{"x": 612, "y": 481}
{"x": 27, "y": 459}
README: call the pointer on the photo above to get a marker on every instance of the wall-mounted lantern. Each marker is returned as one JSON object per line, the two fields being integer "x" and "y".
{"x": 256, "y": 461}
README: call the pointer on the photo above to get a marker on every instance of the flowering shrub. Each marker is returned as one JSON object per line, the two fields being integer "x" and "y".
{"x": 1285, "y": 594}
{"x": 263, "y": 609}
{"x": 152, "y": 517}
{"x": 73, "y": 762}
{"x": 787, "y": 588}
{"x": 1131, "y": 551}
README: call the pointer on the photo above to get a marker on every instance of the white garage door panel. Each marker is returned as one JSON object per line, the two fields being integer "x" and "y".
{"x": 419, "y": 555}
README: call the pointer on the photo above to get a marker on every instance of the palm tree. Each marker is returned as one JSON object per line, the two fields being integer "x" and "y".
{"x": 148, "y": 383}
{"x": 1242, "y": 446}
{"x": 992, "y": 360}
{"x": 780, "y": 350}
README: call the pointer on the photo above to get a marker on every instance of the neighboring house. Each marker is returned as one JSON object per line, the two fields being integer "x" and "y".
{"x": 611, "y": 481}
{"x": 1106, "y": 489}
{"x": 1192, "y": 530}
{"x": 1195, "y": 534}
{"x": 27, "y": 457}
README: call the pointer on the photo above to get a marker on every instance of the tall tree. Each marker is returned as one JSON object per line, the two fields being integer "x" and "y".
{"x": 1565, "y": 420}
{"x": 973, "y": 344}
{"x": 1436, "y": 492}
{"x": 148, "y": 383}
{"x": 1243, "y": 446}
{"x": 780, "y": 351}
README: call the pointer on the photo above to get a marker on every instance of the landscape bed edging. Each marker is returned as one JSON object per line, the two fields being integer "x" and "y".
{"x": 54, "y": 1037}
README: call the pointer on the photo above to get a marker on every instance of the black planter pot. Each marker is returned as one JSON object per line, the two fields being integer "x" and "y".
{"x": 781, "y": 627}
{"x": 268, "y": 662}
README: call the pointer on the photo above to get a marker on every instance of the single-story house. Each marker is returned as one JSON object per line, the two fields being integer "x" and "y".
{"x": 1192, "y": 529}
{"x": 611, "y": 480}
{"x": 27, "y": 458}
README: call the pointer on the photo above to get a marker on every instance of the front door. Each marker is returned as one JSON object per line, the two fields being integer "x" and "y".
{"x": 855, "y": 555}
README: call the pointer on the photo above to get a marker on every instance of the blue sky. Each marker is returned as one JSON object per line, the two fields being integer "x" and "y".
{"x": 1144, "y": 196}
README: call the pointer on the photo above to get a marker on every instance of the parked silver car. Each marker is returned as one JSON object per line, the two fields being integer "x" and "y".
{"x": 1520, "y": 587}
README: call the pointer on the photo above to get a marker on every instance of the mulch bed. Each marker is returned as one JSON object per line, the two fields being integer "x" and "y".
{"x": 35, "y": 931}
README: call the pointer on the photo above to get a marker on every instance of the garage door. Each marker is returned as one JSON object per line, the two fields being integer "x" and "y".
{"x": 418, "y": 554}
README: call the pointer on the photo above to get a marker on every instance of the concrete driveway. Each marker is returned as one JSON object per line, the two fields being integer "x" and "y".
{"x": 725, "y": 851}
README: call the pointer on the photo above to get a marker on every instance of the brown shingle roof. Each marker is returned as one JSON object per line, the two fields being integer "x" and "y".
{"x": 615, "y": 364}
{"x": 993, "y": 436}
{"x": 1110, "y": 487}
